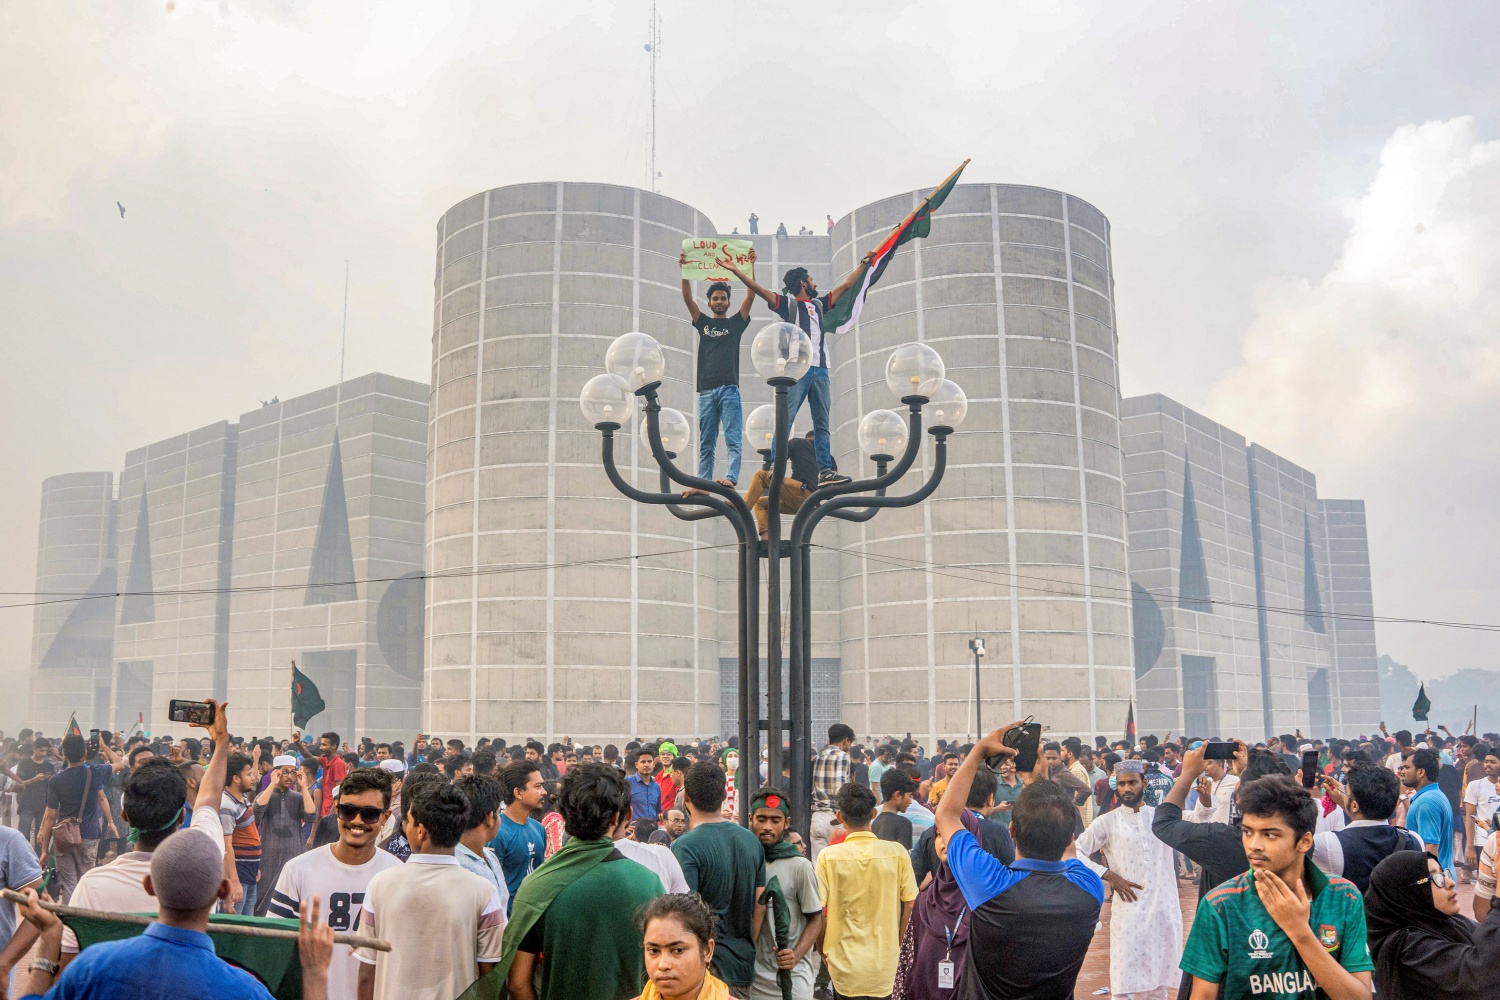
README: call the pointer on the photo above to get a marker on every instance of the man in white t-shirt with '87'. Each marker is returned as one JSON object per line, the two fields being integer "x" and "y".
{"x": 340, "y": 872}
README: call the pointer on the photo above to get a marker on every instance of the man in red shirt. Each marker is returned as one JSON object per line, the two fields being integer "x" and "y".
{"x": 665, "y": 754}
{"x": 334, "y": 770}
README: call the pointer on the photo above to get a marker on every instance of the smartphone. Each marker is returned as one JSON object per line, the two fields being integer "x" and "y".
{"x": 1309, "y": 769}
{"x": 1026, "y": 740}
{"x": 199, "y": 713}
{"x": 93, "y": 736}
{"x": 1214, "y": 750}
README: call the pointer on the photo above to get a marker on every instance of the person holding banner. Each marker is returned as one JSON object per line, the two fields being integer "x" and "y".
{"x": 719, "y": 333}
{"x": 800, "y": 303}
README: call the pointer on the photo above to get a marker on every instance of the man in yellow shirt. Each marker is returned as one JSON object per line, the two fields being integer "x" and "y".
{"x": 869, "y": 890}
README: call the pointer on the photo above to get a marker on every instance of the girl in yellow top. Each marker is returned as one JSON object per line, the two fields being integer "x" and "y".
{"x": 679, "y": 941}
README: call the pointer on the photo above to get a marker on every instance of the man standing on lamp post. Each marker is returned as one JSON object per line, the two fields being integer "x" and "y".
{"x": 801, "y": 304}
{"x": 718, "y": 374}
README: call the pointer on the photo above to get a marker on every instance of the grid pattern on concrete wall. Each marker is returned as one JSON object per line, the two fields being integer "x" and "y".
{"x": 1350, "y": 592}
{"x": 1165, "y": 445}
{"x": 72, "y": 641}
{"x": 1025, "y": 539}
{"x": 186, "y": 485}
{"x": 329, "y": 482}
{"x": 1285, "y": 498}
{"x": 556, "y": 603}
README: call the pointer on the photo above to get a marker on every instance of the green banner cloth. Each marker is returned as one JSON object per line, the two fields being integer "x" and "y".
{"x": 271, "y": 960}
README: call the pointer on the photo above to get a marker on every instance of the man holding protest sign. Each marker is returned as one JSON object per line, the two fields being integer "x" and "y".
{"x": 719, "y": 333}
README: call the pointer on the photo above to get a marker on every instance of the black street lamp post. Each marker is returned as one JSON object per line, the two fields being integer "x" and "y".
{"x": 781, "y": 352}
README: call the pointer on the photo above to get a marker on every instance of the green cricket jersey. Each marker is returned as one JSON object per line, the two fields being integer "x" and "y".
{"x": 1234, "y": 941}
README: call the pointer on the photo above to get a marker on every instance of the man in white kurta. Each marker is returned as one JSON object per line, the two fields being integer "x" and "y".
{"x": 1145, "y": 918}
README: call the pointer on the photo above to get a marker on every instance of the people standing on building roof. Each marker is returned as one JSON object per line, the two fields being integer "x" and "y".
{"x": 754, "y": 224}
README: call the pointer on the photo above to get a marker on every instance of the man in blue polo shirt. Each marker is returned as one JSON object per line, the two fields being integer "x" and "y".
{"x": 1031, "y": 921}
{"x": 1429, "y": 814}
{"x": 173, "y": 959}
{"x": 645, "y": 793}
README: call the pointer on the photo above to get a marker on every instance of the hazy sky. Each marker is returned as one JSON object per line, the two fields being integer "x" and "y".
{"x": 1305, "y": 201}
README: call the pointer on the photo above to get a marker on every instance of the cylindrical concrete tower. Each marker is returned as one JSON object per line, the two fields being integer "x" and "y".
{"x": 1025, "y": 539}
{"x": 555, "y": 605}
{"x": 73, "y": 641}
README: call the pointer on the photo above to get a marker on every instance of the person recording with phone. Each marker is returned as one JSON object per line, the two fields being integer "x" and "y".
{"x": 1030, "y": 921}
{"x": 1217, "y": 848}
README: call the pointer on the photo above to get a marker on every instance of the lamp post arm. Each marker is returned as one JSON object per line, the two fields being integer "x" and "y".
{"x": 803, "y": 528}
{"x": 824, "y": 494}
{"x": 642, "y": 496}
{"x": 653, "y": 430}
{"x": 713, "y": 506}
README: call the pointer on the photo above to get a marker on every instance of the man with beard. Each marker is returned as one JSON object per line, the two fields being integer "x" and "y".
{"x": 340, "y": 873}
{"x": 1428, "y": 813}
{"x": 1145, "y": 922}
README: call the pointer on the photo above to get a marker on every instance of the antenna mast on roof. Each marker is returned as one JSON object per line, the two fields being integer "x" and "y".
{"x": 653, "y": 46}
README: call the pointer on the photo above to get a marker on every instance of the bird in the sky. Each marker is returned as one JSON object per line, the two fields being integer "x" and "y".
{"x": 121, "y": 208}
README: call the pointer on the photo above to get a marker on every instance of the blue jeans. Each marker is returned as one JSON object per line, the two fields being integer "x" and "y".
{"x": 813, "y": 387}
{"x": 247, "y": 874}
{"x": 716, "y": 406}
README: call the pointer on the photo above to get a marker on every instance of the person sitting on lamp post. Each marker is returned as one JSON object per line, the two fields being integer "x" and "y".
{"x": 796, "y": 486}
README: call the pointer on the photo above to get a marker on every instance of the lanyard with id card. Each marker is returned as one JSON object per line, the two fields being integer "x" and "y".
{"x": 945, "y": 967}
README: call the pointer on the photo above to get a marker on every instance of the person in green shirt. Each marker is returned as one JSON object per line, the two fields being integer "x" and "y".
{"x": 725, "y": 864}
{"x": 1283, "y": 930}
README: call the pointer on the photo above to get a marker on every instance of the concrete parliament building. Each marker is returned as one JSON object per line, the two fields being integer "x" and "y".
{"x": 1111, "y": 551}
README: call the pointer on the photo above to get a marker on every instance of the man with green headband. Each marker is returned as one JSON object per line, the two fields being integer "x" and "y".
{"x": 784, "y": 949}
{"x": 152, "y": 802}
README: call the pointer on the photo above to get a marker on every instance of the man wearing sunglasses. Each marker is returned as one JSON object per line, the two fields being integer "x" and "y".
{"x": 340, "y": 873}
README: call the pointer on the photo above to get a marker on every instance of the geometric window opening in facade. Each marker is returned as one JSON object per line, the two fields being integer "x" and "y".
{"x": 1312, "y": 604}
{"x": 86, "y": 638}
{"x": 1192, "y": 587}
{"x": 1150, "y": 633}
{"x": 138, "y": 605}
{"x": 331, "y": 577}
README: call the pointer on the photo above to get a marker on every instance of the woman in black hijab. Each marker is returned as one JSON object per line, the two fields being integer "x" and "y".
{"x": 1421, "y": 945}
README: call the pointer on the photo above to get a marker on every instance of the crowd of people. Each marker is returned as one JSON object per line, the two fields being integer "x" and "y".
{"x": 569, "y": 871}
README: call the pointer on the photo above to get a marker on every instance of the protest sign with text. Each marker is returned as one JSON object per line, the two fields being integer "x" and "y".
{"x": 704, "y": 254}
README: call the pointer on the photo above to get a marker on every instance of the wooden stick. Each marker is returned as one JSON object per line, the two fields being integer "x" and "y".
{"x": 352, "y": 940}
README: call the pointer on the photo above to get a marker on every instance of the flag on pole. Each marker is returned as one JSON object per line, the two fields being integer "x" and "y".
{"x": 1422, "y": 705}
{"x": 1130, "y": 724}
{"x": 306, "y": 702}
{"x": 73, "y": 729}
{"x": 845, "y": 312}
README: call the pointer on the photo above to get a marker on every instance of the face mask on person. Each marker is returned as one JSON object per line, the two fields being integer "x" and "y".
{"x": 1111, "y": 782}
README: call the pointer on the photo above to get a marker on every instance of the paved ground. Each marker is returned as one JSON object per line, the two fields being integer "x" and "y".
{"x": 1095, "y": 974}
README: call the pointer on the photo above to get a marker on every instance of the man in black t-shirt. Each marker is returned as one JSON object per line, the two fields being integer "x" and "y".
{"x": 719, "y": 333}
{"x": 31, "y": 798}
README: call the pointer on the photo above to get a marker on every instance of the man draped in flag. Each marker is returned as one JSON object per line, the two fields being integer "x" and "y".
{"x": 800, "y": 303}
{"x": 825, "y": 316}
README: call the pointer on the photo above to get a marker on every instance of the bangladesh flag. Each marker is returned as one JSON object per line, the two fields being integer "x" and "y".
{"x": 845, "y": 312}
{"x": 1422, "y": 705}
{"x": 273, "y": 961}
{"x": 306, "y": 701}
{"x": 1130, "y": 724}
